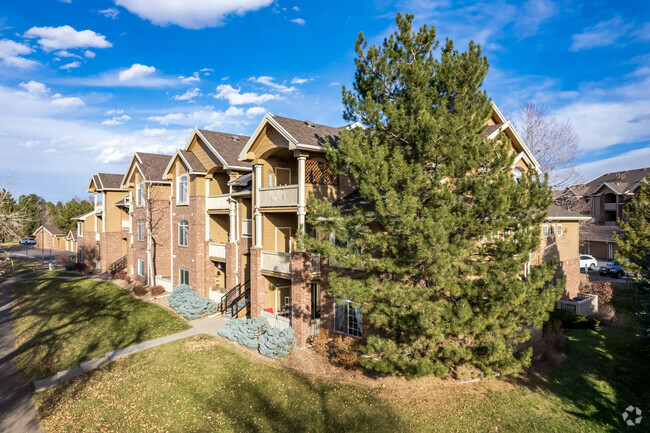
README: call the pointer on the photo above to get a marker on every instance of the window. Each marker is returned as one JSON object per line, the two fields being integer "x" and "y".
{"x": 559, "y": 229}
{"x": 347, "y": 319}
{"x": 80, "y": 229}
{"x": 270, "y": 179}
{"x": 516, "y": 174}
{"x": 139, "y": 195}
{"x": 141, "y": 267}
{"x": 315, "y": 301}
{"x": 181, "y": 193}
{"x": 183, "y": 276}
{"x": 140, "y": 230}
{"x": 544, "y": 230}
{"x": 552, "y": 229}
{"x": 183, "y": 233}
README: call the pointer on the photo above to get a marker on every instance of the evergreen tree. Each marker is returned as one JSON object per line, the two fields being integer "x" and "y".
{"x": 66, "y": 211}
{"x": 445, "y": 231}
{"x": 635, "y": 245}
{"x": 33, "y": 208}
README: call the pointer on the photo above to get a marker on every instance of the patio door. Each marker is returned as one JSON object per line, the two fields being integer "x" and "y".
{"x": 283, "y": 176}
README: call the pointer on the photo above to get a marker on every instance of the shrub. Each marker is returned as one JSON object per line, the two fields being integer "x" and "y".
{"x": 139, "y": 290}
{"x": 189, "y": 304}
{"x": 320, "y": 341}
{"x": 81, "y": 267}
{"x": 550, "y": 342}
{"x": 344, "y": 351}
{"x": 571, "y": 320}
{"x": 156, "y": 290}
{"x": 606, "y": 314}
{"x": 122, "y": 275}
{"x": 64, "y": 260}
{"x": 277, "y": 343}
{"x": 603, "y": 290}
{"x": 245, "y": 331}
{"x": 70, "y": 266}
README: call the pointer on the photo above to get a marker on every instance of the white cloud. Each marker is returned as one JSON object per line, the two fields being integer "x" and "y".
{"x": 136, "y": 71}
{"x": 153, "y": 132}
{"x": 196, "y": 14}
{"x": 270, "y": 82}
{"x": 194, "y": 78}
{"x": 335, "y": 83}
{"x": 114, "y": 112}
{"x": 65, "y": 37}
{"x": 637, "y": 158}
{"x": 298, "y": 80}
{"x": 61, "y": 102}
{"x": 29, "y": 144}
{"x": 34, "y": 88}
{"x": 233, "y": 119}
{"x": 71, "y": 65}
{"x": 110, "y": 12}
{"x": 296, "y": 8}
{"x": 255, "y": 111}
{"x": 234, "y": 97}
{"x": 299, "y": 21}
{"x": 11, "y": 53}
{"x": 65, "y": 53}
{"x": 89, "y": 54}
{"x": 602, "y": 34}
{"x": 188, "y": 95}
{"x": 171, "y": 118}
{"x": 118, "y": 120}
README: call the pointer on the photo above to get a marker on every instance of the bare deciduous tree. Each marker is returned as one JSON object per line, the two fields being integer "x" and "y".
{"x": 554, "y": 143}
{"x": 154, "y": 207}
{"x": 12, "y": 218}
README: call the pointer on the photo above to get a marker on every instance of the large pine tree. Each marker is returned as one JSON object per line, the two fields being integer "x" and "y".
{"x": 444, "y": 232}
{"x": 635, "y": 245}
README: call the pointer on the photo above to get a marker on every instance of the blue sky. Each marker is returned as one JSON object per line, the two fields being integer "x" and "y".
{"x": 84, "y": 84}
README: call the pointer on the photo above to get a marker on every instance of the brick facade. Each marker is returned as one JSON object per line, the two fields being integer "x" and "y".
{"x": 301, "y": 297}
{"x": 137, "y": 250}
{"x": 110, "y": 249}
{"x": 194, "y": 257}
{"x": 90, "y": 250}
{"x": 256, "y": 282}
{"x": 231, "y": 265}
{"x": 570, "y": 269}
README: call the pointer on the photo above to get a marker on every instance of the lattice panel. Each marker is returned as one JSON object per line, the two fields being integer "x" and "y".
{"x": 319, "y": 173}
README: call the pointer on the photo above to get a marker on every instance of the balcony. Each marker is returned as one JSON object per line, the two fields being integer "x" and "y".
{"x": 126, "y": 225}
{"x": 217, "y": 250}
{"x": 218, "y": 202}
{"x": 610, "y": 206}
{"x": 247, "y": 227}
{"x": 279, "y": 196}
{"x": 276, "y": 262}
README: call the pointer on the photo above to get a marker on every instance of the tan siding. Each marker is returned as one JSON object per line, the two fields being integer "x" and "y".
{"x": 219, "y": 226}
{"x": 270, "y": 221}
{"x": 203, "y": 154}
{"x": 113, "y": 213}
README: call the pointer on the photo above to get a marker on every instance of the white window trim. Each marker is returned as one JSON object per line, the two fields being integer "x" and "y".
{"x": 141, "y": 262}
{"x": 545, "y": 230}
{"x": 552, "y": 230}
{"x": 180, "y": 276}
{"x": 187, "y": 190}
{"x": 339, "y": 302}
{"x": 558, "y": 230}
{"x": 139, "y": 194}
{"x": 141, "y": 232}
{"x": 180, "y": 233}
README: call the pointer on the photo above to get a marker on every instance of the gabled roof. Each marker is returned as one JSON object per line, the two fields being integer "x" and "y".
{"x": 193, "y": 163}
{"x": 592, "y": 232}
{"x": 51, "y": 229}
{"x": 559, "y": 213}
{"x": 150, "y": 165}
{"x": 72, "y": 234}
{"x": 621, "y": 182}
{"x": 106, "y": 182}
{"x": 242, "y": 180}
{"x": 226, "y": 147}
{"x": 83, "y": 216}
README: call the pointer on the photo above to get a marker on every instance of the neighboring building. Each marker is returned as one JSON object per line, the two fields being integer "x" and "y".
{"x": 111, "y": 246}
{"x": 146, "y": 228}
{"x": 210, "y": 213}
{"x": 87, "y": 248}
{"x": 71, "y": 241}
{"x": 49, "y": 236}
{"x": 605, "y": 196}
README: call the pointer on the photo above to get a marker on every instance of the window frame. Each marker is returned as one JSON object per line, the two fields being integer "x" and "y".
{"x": 517, "y": 174}
{"x": 358, "y": 317}
{"x": 139, "y": 195}
{"x": 180, "y": 233}
{"x": 182, "y": 280}
{"x": 141, "y": 266}
{"x": 179, "y": 182}
{"x": 545, "y": 230}
{"x": 141, "y": 230}
{"x": 552, "y": 231}
{"x": 558, "y": 230}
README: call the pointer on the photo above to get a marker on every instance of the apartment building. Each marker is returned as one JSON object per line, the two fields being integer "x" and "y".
{"x": 606, "y": 195}
{"x": 49, "y": 236}
{"x": 210, "y": 213}
{"x": 71, "y": 241}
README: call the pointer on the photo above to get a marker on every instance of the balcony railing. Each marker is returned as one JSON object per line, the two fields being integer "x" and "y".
{"x": 279, "y": 196}
{"x": 218, "y": 202}
{"x": 217, "y": 250}
{"x": 247, "y": 227}
{"x": 276, "y": 262}
{"x": 126, "y": 224}
{"x": 610, "y": 206}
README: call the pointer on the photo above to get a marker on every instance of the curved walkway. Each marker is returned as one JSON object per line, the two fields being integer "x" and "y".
{"x": 17, "y": 411}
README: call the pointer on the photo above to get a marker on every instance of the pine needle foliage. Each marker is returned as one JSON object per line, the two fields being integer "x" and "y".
{"x": 634, "y": 247}
{"x": 444, "y": 233}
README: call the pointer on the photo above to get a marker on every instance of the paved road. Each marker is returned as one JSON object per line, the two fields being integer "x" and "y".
{"x": 29, "y": 252}
{"x": 17, "y": 411}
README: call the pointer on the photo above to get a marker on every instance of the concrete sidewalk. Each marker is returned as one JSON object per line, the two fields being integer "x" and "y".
{"x": 17, "y": 411}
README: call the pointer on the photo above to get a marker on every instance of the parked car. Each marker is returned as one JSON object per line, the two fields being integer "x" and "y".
{"x": 27, "y": 241}
{"x": 613, "y": 268}
{"x": 587, "y": 261}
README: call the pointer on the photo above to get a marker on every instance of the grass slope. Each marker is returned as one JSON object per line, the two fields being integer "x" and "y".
{"x": 60, "y": 323}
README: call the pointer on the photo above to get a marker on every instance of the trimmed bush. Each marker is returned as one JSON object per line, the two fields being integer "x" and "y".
{"x": 156, "y": 290}
{"x": 245, "y": 331}
{"x": 573, "y": 321}
{"x": 189, "y": 304}
{"x": 139, "y": 290}
{"x": 70, "y": 266}
{"x": 277, "y": 343}
{"x": 603, "y": 290}
{"x": 81, "y": 267}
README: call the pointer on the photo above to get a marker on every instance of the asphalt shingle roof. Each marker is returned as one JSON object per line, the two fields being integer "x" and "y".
{"x": 193, "y": 161}
{"x": 621, "y": 181}
{"x": 153, "y": 165}
{"x": 314, "y": 134}
{"x": 108, "y": 181}
{"x": 227, "y": 145}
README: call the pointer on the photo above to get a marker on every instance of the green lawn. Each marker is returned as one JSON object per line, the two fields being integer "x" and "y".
{"x": 204, "y": 383}
{"x": 60, "y": 323}
{"x": 40, "y": 274}
{"x": 19, "y": 267}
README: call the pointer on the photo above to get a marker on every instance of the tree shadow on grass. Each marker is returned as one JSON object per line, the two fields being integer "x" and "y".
{"x": 63, "y": 323}
{"x": 605, "y": 371}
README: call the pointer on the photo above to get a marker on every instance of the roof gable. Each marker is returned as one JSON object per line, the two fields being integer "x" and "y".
{"x": 226, "y": 147}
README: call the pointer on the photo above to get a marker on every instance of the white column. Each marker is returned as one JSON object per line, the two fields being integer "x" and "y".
{"x": 103, "y": 212}
{"x": 257, "y": 184}
{"x": 301, "y": 193}
{"x": 207, "y": 216}
{"x": 233, "y": 220}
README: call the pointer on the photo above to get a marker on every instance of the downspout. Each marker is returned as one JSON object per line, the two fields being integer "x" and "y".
{"x": 171, "y": 237}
